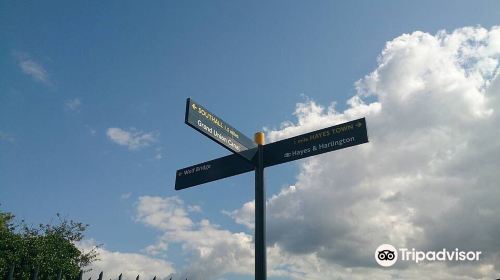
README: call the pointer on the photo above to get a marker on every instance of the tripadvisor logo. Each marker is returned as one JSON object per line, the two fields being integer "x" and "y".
{"x": 386, "y": 255}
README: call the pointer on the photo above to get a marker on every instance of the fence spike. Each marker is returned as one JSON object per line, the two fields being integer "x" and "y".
{"x": 80, "y": 275}
{"x": 100, "y": 276}
{"x": 154, "y": 278}
{"x": 120, "y": 277}
{"x": 137, "y": 278}
{"x": 34, "y": 275}
{"x": 11, "y": 272}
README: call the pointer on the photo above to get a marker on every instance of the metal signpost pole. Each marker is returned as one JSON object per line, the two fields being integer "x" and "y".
{"x": 251, "y": 155}
{"x": 260, "y": 211}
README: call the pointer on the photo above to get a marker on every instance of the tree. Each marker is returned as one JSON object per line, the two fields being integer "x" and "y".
{"x": 50, "y": 248}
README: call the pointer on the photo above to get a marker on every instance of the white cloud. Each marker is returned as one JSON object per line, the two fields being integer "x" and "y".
{"x": 163, "y": 213}
{"x": 73, "y": 104}
{"x": 212, "y": 251}
{"x": 244, "y": 215}
{"x": 133, "y": 139}
{"x": 429, "y": 176}
{"x": 32, "y": 68}
{"x": 194, "y": 208}
{"x": 125, "y": 195}
{"x": 129, "y": 264}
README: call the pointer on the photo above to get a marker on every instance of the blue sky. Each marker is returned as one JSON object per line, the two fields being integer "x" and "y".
{"x": 73, "y": 71}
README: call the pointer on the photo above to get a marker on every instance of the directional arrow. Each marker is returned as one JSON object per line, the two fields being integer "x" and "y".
{"x": 249, "y": 155}
{"x": 212, "y": 170}
{"x": 317, "y": 142}
{"x": 201, "y": 119}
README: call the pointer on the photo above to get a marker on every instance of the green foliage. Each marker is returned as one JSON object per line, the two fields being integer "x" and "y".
{"x": 49, "y": 247}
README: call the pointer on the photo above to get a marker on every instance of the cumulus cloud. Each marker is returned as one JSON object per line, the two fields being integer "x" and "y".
{"x": 128, "y": 264}
{"x": 429, "y": 177}
{"x": 212, "y": 251}
{"x": 163, "y": 213}
{"x": 244, "y": 215}
{"x": 32, "y": 68}
{"x": 132, "y": 138}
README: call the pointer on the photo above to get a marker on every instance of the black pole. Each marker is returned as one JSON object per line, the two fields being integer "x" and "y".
{"x": 260, "y": 217}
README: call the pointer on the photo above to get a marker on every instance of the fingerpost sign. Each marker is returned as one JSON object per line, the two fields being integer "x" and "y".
{"x": 248, "y": 155}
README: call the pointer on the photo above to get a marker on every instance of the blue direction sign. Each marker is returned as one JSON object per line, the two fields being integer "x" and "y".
{"x": 313, "y": 143}
{"x": 211, "y": 170}
{"x": 199, "y": 118}
{"x": 317, "y": 142}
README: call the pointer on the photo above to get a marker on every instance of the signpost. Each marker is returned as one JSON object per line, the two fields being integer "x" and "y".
{"x": 211, "y": 170}
{"x": 251, "y": 155}
{"x": 317, "y": 142}
{"x": 199, "y": 118}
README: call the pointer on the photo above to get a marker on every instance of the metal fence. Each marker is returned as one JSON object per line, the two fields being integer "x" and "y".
{"x": 34, "y": 275}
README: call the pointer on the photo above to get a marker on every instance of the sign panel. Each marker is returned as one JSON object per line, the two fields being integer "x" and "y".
{"x": 199, "y": 118}
{"x": 317, "y": 142}
{"x": 211, "y": 170}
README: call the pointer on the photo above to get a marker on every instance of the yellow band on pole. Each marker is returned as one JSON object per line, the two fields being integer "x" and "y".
{"x": 259, "y": 138}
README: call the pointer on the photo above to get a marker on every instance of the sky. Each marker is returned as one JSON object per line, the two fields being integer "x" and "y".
{"x": 92, "y": 100}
